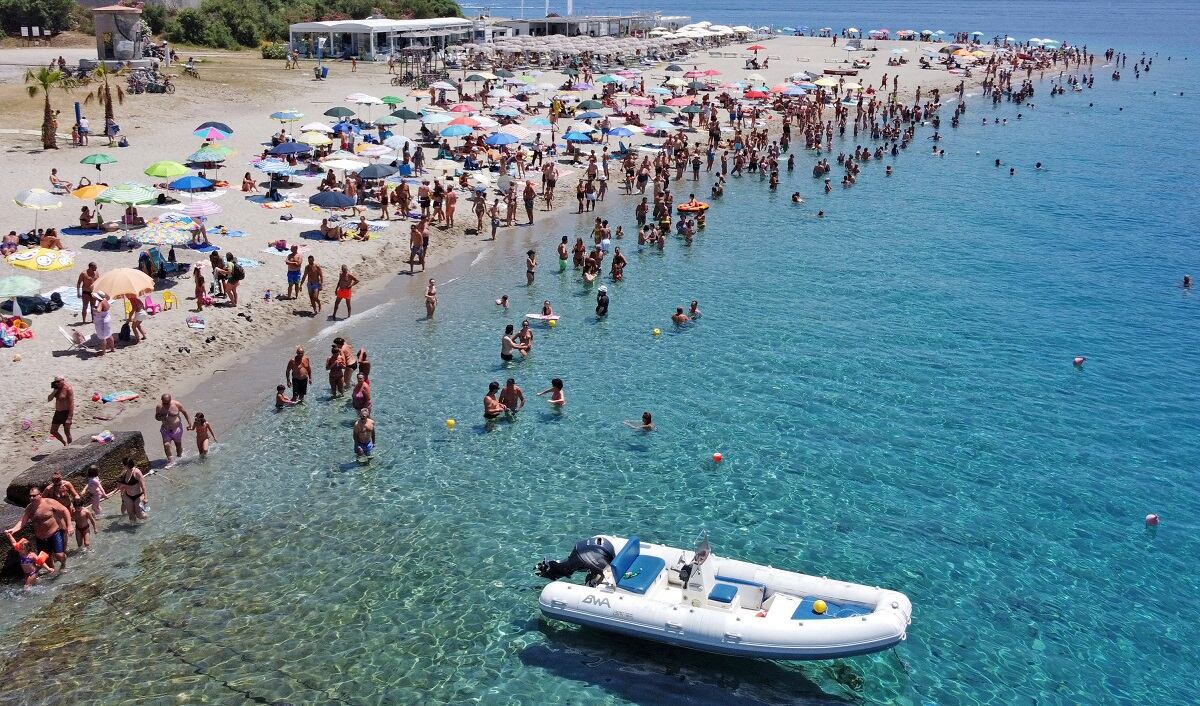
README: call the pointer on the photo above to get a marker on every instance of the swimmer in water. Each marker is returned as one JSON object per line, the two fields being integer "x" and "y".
{"x": 646, "y": 424}
{"x": 547, "y": 310}
{"x": 492, "y": 406}
{"x": 281, "y": 398}
{"x": 602, "y": 302}
{"x": 820, "y": 214}
{"x": 503, "y": 301}
{"x": 1187, "y": 281}
{"x": 796, "y": 198}
{"x": 557, "y": 398}
{"x": 694, "y": 311}
{"x": 679, "y": 318}
{"x": 1038, "y": 166}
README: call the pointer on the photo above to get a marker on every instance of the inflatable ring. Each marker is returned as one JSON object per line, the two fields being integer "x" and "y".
{"x": 700, "y": 207}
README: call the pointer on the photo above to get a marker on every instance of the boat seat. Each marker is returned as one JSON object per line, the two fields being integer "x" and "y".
{"x": 634, "y": 572}
{"x": 723, "y": 593}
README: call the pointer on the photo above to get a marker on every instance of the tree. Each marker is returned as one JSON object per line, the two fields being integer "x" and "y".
{"x": 104, "y": 94}
{"x": 42, "y": 81}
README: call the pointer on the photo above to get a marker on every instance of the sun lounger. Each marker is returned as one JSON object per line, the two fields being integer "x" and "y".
{"x": 164, "y": 266}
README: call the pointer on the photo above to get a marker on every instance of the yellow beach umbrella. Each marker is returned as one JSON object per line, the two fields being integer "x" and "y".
{"x": 166, "y": 169}
{"x": 89, "y": 192}
{"x": 851, "y": 86}
{"x": 315, "y": 139}
{"x": 961, "y": 52}
{"x": 42, "y": 259}
{"x": 826, "y": 82}
{"x": 979, "y": 54}
{"x": 124, "y": 281}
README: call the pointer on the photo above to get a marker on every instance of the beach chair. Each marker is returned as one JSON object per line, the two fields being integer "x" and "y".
{"x": 151, "y": 307}
{"x": 76, "y": 340}
{"x": 162, "y": 265}
{"x": 168, "y": 300}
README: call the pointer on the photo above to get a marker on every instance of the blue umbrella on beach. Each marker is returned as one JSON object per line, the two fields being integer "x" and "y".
{"x": 190, "y": 183}
{"x": 507, "y": 112}
{"x": 794, "y": 91}
{"x": 539, "y": 122}
{"x": 218, "y": 126}
{"x": 500, "y": 138}
{"x": 286, "y": 148}
{"x": 589, "y": 115}
{"x": 455, "y": 131}
{"x": 377, "y": 171}
{"x": 577, "y": 137}
{"x": 332, "y": 199}
{"x": 275, "y": 166}
{"x": 620, "y": 132}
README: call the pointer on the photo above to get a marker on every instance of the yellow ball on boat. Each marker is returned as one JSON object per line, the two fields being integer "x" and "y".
{"x": 819, "y": 607}
{"x": 553, "y": 323}
{"x": 657, "y": 332}
{"x": 449, "y": 423}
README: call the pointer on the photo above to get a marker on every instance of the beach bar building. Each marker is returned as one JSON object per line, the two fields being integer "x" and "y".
{"x": 582, "y": 25}
{"x": 377, "y": 36}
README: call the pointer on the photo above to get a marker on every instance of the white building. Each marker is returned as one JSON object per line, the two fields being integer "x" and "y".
{"x": 373, "y": 37}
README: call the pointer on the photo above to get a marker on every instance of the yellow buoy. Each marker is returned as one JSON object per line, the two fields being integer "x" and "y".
{"x": 449, "y": 423}
{"x": 819, "y": 607}
{"x": 553, "y": 323}
{"x": 657, "y": 332}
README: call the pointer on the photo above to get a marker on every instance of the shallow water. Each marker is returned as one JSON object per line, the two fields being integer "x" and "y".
{"x": 891, "y": 388}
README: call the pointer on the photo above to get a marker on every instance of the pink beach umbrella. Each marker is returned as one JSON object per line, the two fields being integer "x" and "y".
{"x": 201, "y": 209}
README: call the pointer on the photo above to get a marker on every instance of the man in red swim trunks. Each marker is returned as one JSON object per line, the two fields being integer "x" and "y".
{"x": 345, "y": 285}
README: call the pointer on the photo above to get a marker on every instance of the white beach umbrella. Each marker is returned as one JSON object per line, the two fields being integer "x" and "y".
{"x": 316, "y": 127}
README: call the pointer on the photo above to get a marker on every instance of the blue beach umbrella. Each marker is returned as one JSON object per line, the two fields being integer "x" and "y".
{"x": 794, "y": 91}
{"x": 345, "y": 127}
{"x": 455, "y": 131}
{"x": 275, "y": 166}
{"x": 216, "y": 126}
{"x": 589, "y": 115}
{"x": 539, "y": 122}
{"x": 507, "y": 112}
{"x": 436, "y": 118}
{"x": 620, "y": 132}
{"x": 190, "y": 183}
{"x": 287, "y": 116}
{"x": 286, "y": 148}
{"x": 659, "y": 90}
{"x": 331, "y": 199}
{"x": 377, "y": 171}
{"x": 500, "y": 138}
{"x": 661, "y": 125}
{"x": 576, "y": 137}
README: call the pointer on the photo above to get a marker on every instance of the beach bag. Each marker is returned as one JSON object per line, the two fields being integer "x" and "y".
{"x": 125, "y": 335}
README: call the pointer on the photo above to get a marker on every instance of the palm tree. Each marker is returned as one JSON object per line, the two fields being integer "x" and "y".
{"x": 41, "y": 81}
{"x": 104, "y": 94}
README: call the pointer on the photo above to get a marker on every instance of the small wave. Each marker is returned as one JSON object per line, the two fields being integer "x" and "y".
{"x": 339, "y": 325}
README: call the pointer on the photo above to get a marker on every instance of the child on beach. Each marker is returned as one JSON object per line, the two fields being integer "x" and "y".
{"x": 94, "y": 490}
{"x": 281, "y": 398}
{"x": 85, "y": 525}
{"x": 204, "y": 434}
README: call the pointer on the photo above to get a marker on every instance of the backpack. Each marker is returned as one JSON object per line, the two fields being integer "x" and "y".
{"x": 125, "y": 336}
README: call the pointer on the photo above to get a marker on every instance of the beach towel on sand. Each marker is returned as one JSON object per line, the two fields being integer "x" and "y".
{"x": 122, "y": 396}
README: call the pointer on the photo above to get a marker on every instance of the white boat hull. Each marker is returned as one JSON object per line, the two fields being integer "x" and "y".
{"x": 780, "y": 626}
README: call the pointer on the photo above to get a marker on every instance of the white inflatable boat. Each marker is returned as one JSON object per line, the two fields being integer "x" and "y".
{"x": 699, "y": 600}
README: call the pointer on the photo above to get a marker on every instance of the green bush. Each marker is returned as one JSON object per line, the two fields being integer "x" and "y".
{"x": 274, "y": 50}
{"x": 52, "y": 15}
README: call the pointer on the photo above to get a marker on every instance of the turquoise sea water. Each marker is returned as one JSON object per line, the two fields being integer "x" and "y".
{"x": 892, "y": 390}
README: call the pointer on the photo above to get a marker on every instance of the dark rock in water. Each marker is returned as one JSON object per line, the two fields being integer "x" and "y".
{"x": 74, "y": 460}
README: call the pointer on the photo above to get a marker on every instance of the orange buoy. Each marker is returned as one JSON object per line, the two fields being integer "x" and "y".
{"x": 717, "y": 457}
{"x": 1079, "y": 360}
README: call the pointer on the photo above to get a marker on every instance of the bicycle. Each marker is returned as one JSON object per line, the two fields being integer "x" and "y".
{"x": 191, "y": 71}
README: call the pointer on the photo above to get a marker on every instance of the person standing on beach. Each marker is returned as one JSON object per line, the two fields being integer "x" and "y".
{"x": 64, "y": 409}
{"x": 294, "y": 264}
{"x": 315, "y": 279}
{"x": 83, "y": 287}
{"x": 345, "y": 285}
{"x": 171, "y": 415}
{"x": 297, "y": 374}
{"x": 364, "y": 434}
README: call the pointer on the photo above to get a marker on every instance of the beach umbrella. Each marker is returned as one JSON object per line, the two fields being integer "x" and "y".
{"x": 455, "y": 131}
{"x": 691, "y": 109}
{"x": 372, "y": 150}
{"x": 657, "y": 90}
{"x": 695, "y": 74}
{"x": 577, "y": 137}
{"x": 463, "y": 108}
{"x": 475, "y": 78}
{"x": 464, "y": 120}
{"x": 216, "y": 126}
{"x": 539, "y": 122}
{"x": 207, "y": 154}
{"x": 662, "y": 109}
{"x": 507, "y": 112}
{"x": 399, "y": 142}
{"x": 589, "y": 115}
{"x": 443, "y": 86}
{"x": 201, "y": 209}
{"x": 128, "y": 194}
{"x": 504, "y": 73}
{"x": 681, "y": 101}
{"x": 437, "y": 118}
{"x": 661, "y": 125}
{"x": 315, "y": 127}
{"x": 339, "y": 111}
{"x": 756, "y": 48}
{"x": 754, "y": 95}
{"x": 349, "y": 165}
{"x": 287, "y": 116}
{"x": 89, "y": 192}
{"x": 18, "y": 286}
{"x": 675, "y": 82}
{"x": 571, "y": 72}
{"x": 169, "y": 229}
{"x": 377, "y": 171}
{"x": 590, "y": 105}
{"x": 331, "y": 200}
{"x": 286, "y": 148}
{"x": 499, "y": 93}
{"x": 316, "y": 139}
{"x": 166, "y": 169}
{"x": 977, "y": 34}
{"x": 387, "y": 120}
{"x": 97, "y": 160}
{"x": 674, "y": 68}
{"x": 620, "y": 132}
{"x": 124, "y": 282}
{"x": 210, "y": 133}
{"x": 826, "y": 82}
{"x": 500, "y": 138}
{"x": 37, "y": 200}
{"x": 609, "y": 78}
{"x": 190, "y": 183}
{"x": 405, "y": 114}
{"x": 794, "y": 91}
{"x": 42, "y": 259}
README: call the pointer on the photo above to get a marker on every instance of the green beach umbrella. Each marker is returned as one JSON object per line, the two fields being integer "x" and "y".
{"x": 208, "y": 154}
{"x": 691, "y": 109}
{"x": 505, "y": 73}
{"x": 166, "y": 169}
{"x": 130, "y": 193}
{"x": 387, "y": 120}
{"x": 339, "y": 112}
{"x": 391, "y": 100}
{"x": 664, "y": 109}
{"x": 474, "y": 78}
{"x": 591, "y": 105}
{"x": 568, "y": 72}
{"x": 674, "y": 67}
{"x": 406, "y": 114}
{"x": 97, "y": 159}
{"x": 287, "y": 116}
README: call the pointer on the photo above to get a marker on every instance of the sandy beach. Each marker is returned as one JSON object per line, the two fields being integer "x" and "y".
{"x": 241, "y": 90}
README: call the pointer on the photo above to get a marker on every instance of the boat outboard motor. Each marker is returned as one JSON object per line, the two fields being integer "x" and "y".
{"x": 591, "y": 555}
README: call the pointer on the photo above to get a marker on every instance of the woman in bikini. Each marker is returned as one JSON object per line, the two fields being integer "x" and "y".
{"x": 132, "y": 487}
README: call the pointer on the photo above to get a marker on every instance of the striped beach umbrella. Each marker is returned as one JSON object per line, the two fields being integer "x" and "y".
{"x": 128, "y": 194}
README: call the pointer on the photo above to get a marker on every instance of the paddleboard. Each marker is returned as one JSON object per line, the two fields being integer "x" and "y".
{"x": 542, "y": 317}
